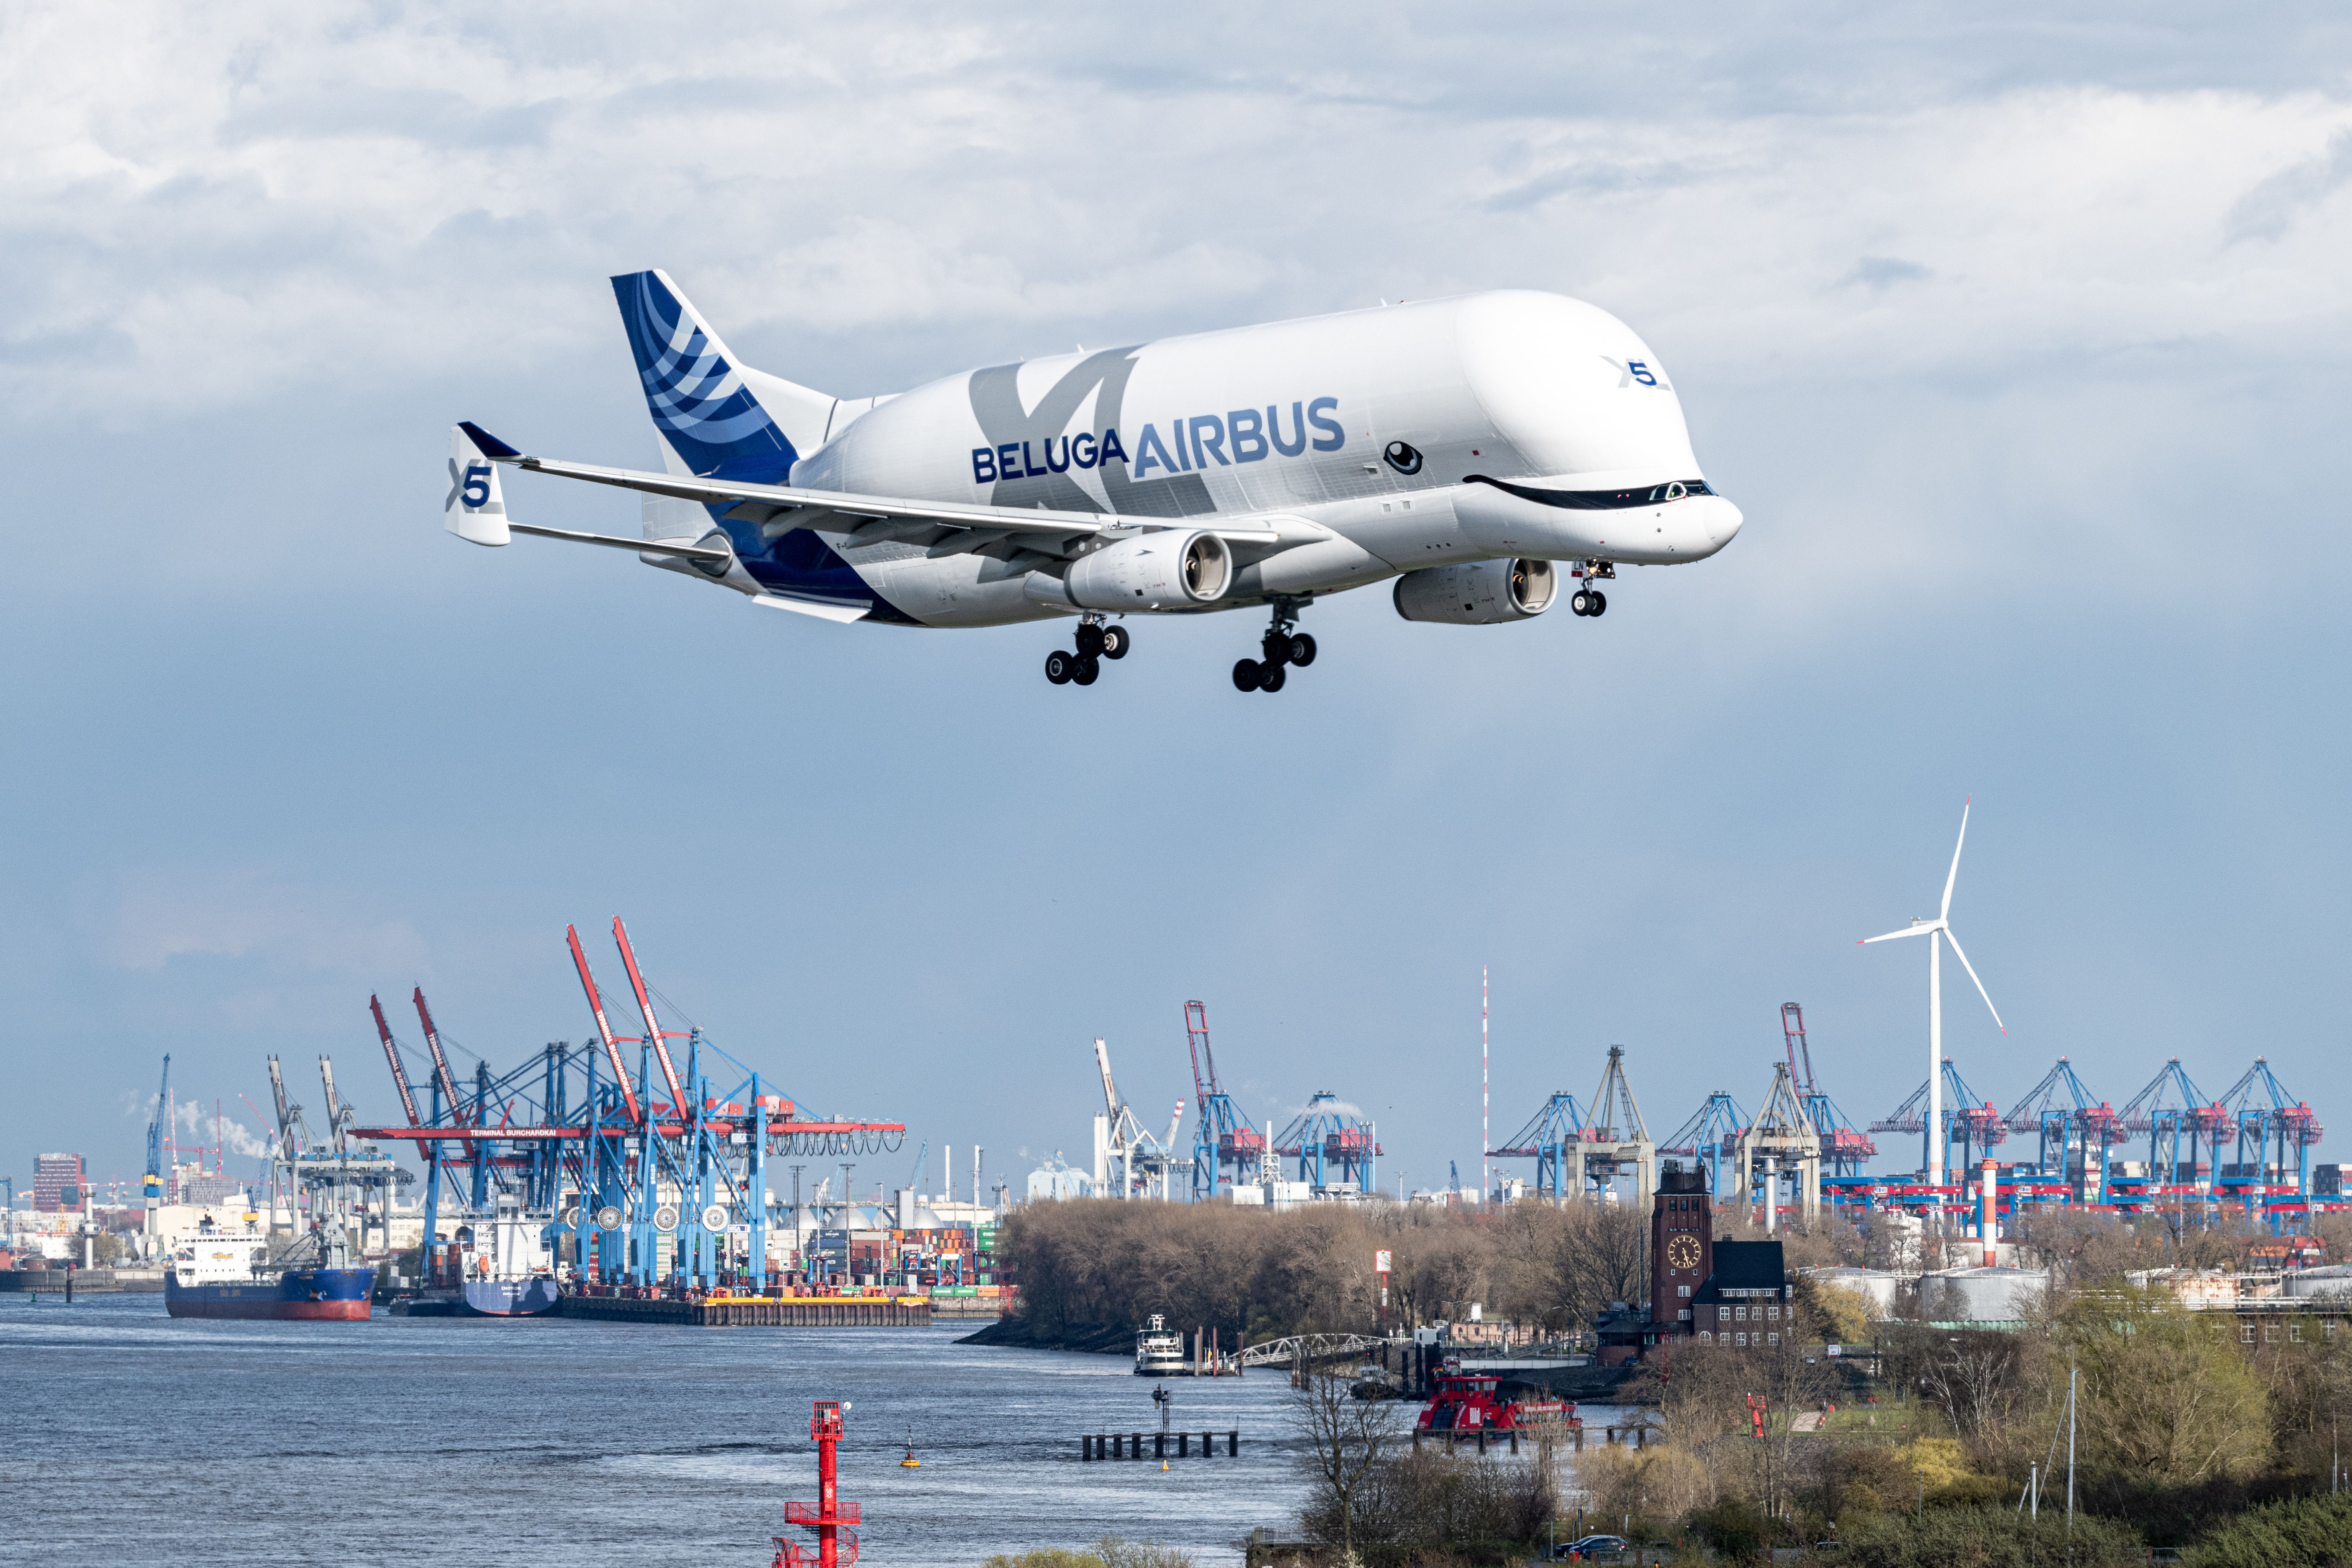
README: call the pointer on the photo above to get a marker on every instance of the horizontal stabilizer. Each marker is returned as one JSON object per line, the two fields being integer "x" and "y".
{"x": 716, "y": 555}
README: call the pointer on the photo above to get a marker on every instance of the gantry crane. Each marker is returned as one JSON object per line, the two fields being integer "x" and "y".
{"x": 1225, "y": 1145}
{"x": 153, "y": 1186}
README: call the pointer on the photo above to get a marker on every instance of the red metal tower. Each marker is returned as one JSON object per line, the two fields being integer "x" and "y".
{"x": 836, "y": 1547}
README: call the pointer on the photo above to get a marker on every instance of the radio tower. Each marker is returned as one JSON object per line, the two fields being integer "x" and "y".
{"x": 1485, "y": 1184}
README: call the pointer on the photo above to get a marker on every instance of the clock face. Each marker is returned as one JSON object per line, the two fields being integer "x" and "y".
{"x": 1682, "y": 1252}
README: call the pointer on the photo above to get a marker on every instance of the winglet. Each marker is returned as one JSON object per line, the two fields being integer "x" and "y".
{"x": 488, "y": 445}
{"x": 474, "y": 509}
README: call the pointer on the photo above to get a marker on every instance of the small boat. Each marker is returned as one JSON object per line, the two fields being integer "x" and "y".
{"x": 1160, "y": 1350}
{"x": 1467, "y": 1402}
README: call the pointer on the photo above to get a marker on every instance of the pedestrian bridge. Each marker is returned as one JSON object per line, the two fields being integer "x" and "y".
{"x": 1312, "y": 1348}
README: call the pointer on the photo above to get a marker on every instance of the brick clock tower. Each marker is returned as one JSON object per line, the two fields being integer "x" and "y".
{"x": 1681, "y": 1250}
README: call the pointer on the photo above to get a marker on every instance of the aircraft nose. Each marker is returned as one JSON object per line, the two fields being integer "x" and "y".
{"x": 1723, "y": 521}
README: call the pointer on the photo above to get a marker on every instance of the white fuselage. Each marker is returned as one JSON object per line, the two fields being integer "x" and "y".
{"x": 1354, "y": 438}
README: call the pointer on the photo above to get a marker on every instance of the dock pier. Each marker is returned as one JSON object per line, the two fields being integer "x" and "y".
{"x": 751, "y": 1311}
{"x": 1129, "y": 1445}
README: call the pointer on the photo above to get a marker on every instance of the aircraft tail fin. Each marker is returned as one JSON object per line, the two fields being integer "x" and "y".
{"x": 714, "y": 414}
{"x": 475, "y": 509}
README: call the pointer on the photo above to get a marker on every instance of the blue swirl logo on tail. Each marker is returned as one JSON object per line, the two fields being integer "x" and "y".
{"x": 695, "y": 393}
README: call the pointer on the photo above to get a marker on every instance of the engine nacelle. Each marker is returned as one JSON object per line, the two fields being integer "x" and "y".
{"x": 1479, "y": 593}
{"x": 1170, "y": 569}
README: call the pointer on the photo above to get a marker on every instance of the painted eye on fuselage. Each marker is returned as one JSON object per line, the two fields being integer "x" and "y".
{"x": 1404, "y": 459}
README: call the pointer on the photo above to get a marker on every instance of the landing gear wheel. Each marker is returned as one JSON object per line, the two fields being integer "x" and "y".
{"x": 1245, "y": 675}
{"x": 1302, "y": 650}
{"x": 1275, "y": 650}
{"x": 1061, "y": 666}
{"x": 1090, "y": 639}
{"x": 1115, "y": 642}
{"x": 1581, "y": 601}
{"x": 1088, "y": 672}
{"x": 1273, "y": 678}
{"x": 1600, "y": 602}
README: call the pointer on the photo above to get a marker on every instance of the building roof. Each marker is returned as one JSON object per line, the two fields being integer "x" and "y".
{"x": 1745, "y": 1267}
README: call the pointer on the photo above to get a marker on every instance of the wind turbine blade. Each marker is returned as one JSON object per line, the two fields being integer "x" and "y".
{"x": 1972, "y": 975}
{"x": 1946, "y": 912}
{"x": 1890, "y": 936}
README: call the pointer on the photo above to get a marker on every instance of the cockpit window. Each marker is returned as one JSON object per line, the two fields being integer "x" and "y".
{"x": 1599, "y": 500}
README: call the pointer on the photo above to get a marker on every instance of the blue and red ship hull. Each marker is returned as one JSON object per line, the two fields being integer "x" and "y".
{"x": 298, "y": 1295}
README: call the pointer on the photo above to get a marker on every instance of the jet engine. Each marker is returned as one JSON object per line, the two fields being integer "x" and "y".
{"x": 1479, "y": 593}
{"x": 1170, "y": 569}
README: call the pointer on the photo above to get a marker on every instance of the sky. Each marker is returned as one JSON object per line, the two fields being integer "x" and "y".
{"x": 2018, "y": 332}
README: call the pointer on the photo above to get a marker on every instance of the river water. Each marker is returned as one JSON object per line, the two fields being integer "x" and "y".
{"x": 140, "y": 1439}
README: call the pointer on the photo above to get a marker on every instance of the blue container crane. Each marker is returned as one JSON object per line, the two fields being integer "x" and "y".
{"x": 2170, "y": 1108}
{"x": 2278, "y": 1130}
{"x": 2075, "y": 1130}
{"x": 1559, "y": 1122}
{"x": 1331, "y": 1144}
{"x": 153, "y": 1185}
{"x": 1970, "y": 1121}
{"x": 1226, "y": 1148}
{"x": 1711, "y": 1139}
{"x": 651, "y": 1160}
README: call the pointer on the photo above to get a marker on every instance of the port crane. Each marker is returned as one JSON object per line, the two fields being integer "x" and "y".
{"x": 1553, "y": 1132}
{"x": 1844, "y": 1147}
{"x": 1225, "y": 1142}
{"x": 153, "y": 1186}
{"x": 1333, "y": 1146}
{"x": 1969, "y": 1120}
{"x": 1710, "y": 1141}
{"x": 648, "y": 1173}
{"x": 2075, "y": 1128}
{"x": 1142, "y": 1157}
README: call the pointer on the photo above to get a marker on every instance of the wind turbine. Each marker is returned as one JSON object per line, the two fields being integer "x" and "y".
{"x": 1937, "y": 932}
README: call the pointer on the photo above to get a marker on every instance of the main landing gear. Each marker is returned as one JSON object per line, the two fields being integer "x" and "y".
{"x": 1281, "y": 646}
{"x": 1588, "y": 600}
{"x": 1095, "y": 642}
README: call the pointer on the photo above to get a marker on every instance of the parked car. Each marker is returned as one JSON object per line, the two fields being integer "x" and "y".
{"x": 1592, "y": 1549}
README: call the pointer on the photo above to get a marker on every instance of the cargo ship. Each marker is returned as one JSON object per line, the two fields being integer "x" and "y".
{"x": 218, "y": 1273}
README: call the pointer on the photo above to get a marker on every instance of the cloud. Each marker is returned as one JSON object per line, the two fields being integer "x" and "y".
{"x": 164, "y": 917}
{"x": 1880, "y": 273}
{"x": 210, "y": 211}
{"x": 2266, "y": 211}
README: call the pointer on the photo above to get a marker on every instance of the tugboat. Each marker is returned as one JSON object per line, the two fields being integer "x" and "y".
{"x": 1160, "y": 1350}
{"x": 1468, "y": 1402}
{"x": 217, "y": 1273}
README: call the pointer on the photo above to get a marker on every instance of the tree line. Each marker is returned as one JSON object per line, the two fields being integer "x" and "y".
{"x": 1253, "y": 1275}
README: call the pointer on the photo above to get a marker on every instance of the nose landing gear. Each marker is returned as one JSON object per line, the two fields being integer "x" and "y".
{"x": 1281, "y": 645}
{"x": 1095, "y": 642}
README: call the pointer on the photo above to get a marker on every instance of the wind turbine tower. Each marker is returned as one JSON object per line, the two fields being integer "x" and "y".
{"x": 1937, "y": 932}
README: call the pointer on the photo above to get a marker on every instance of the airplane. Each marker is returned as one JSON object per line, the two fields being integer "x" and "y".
{"x": 1461, "y": 447}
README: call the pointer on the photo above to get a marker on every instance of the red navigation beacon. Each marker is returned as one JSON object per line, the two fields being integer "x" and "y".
{"x": 836, "y": 1547}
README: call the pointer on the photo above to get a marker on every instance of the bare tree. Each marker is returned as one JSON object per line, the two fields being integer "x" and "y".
{"x": 1346, "y": 1437}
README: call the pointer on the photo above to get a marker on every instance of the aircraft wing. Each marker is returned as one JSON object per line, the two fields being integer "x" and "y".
{"x": 869, "y": 519}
